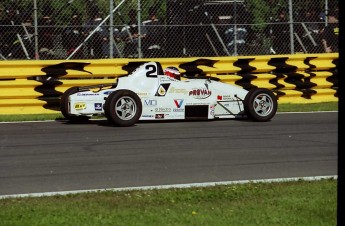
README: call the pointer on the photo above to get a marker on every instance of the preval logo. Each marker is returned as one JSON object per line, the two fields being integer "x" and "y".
{"x": 200, "y": 93}
{"x": 178, "y": 103}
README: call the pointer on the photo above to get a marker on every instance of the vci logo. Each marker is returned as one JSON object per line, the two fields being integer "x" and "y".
{"x": 150, "y": 102}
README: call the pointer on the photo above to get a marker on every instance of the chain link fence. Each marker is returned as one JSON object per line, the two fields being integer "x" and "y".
{"x": 96, "y": 29}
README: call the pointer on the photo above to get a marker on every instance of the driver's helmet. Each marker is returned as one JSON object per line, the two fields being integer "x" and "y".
{"x": 172, "y": 72}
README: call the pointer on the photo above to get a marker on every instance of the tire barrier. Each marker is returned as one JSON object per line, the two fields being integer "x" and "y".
{"x": 35, "y": 87}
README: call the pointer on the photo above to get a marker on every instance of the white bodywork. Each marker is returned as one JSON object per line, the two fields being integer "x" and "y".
{"x": 165, "y": 98}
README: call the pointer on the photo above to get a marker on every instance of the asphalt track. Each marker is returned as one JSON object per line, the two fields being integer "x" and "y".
{"x": 55, "y": 156}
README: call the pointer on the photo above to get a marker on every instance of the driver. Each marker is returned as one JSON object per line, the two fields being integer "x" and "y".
{"x": 172, "y": 72}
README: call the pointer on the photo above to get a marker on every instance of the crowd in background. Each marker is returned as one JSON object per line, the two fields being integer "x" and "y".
{"x": 17, "y": 35}
{"x": 314, "y": 32}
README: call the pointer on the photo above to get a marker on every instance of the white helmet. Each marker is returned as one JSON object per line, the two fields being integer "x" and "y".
{"x": 172, "y": 72}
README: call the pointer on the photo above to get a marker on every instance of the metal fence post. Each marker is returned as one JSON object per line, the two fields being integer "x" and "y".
{"x": 140, "y": 54}
{"x": 235, "y": 29}
{"x": 292, "y": 44}
{"x": 37, "y": 57}
{"x": 111, "y": 29}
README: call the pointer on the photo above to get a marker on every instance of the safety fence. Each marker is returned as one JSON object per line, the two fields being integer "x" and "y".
{"x": 106, "y": 29}
{"x": 35, "y": 87}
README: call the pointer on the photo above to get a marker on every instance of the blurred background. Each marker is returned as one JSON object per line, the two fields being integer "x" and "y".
{"x": 101, "y": 29}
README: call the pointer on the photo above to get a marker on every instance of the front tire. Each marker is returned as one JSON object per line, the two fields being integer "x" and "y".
{"x": 64, "y": 107}
{"x": 260, "y": 104}
{"x": 123, "y": 108}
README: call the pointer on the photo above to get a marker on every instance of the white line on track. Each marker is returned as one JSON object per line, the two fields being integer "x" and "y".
{"x": 192, "y": 185}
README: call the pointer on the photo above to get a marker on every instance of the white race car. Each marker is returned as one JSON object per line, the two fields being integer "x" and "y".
{"x": 148, "y": 94}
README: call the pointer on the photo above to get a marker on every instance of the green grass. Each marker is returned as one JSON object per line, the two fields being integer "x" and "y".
{"x": 289, "y": 203}
{"x": 327, "y": 106}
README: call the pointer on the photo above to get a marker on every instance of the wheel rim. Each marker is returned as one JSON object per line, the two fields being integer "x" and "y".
{"x": 263, "y": 104}
{"x": 125, "y": 108}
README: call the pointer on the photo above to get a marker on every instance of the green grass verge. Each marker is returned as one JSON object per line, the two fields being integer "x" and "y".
{"x": 288, "y": 203}
{"x": 328, "y": 106}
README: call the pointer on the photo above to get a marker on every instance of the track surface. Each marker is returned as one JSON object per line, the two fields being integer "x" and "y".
{"x": 58, "y": 156}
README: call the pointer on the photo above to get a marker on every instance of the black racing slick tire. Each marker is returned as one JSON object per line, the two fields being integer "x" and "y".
{"x": 260, "y": 104}
{"x": 64, "y": 107}
{"x": 123, "y": 108}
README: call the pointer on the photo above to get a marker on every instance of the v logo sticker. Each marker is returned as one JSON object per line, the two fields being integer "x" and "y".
{"x": 178, "y": 103}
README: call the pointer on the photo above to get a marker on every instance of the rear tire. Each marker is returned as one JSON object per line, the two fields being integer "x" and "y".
{"x": 64, "y": 107}
{"x": 123, "y": 108}
{"x": 260, "y": 104}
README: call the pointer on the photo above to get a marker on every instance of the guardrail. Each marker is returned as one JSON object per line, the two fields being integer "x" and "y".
{"x": 35, "y": 87}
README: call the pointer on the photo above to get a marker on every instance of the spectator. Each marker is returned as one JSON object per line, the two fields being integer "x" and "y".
{"x": 98, "y": 41}
{"x": 73, "y": 37}
{"x": 330, "y": 34}
{"x": 3, "y": 42}
{"x": 310, "y": 34}
{"x": 281, "y": 34}
{"x": 153, "y": 44}
{"x": 8, "y": 33}
{"x": 130, "y": 35}
{"x": 236, "y": 35}
{"x": 46, "y": 34}
{"x": 26, "y": 33}
{"x": 116, "y": 49}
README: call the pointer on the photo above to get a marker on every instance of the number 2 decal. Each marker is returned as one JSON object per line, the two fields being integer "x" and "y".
{"x": 151, "y": 70}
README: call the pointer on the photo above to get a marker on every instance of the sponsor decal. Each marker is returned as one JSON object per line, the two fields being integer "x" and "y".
{"x": 142, "y": 94}
{"x": 174, "y": 90}
{"x": 226, "y": 97}
{"x": 200, "y": 93}
{"x": 197, "y": 104}
{"x": 107, "y": 92}
{"x": 98, "y": 106}
{"x": 162, "y": 90}
{"x": 178, "y": 103}
{"x": 87, "y": 94}
{"x": 219, "y": 97}
{"x": 162, "y": 109}
{"x": 165, "y": 79}
{"x": 149, "y": 102}
{"x": 147, "y": 116}
{"x": 159, "y": 116}
{"x": 212, "y": 110}
{"x": 79, "y": 106}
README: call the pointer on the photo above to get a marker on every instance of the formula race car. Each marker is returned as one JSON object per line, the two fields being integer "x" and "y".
{"x": 148, "y": 94}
